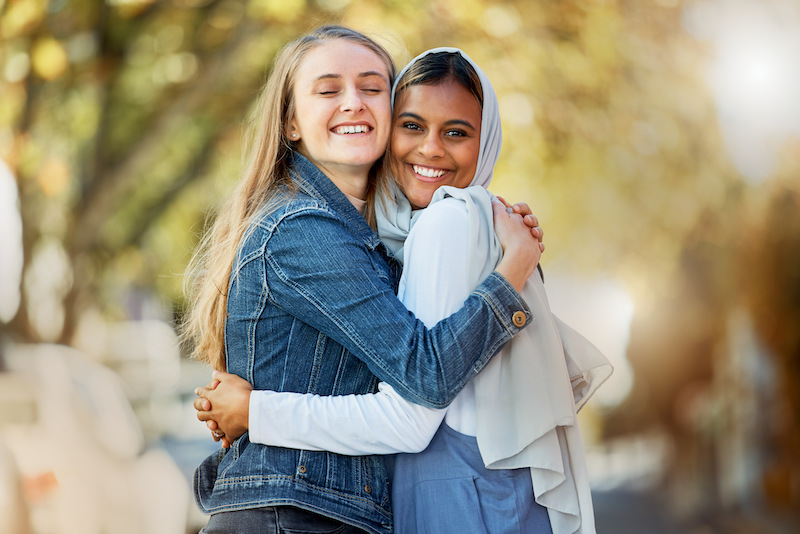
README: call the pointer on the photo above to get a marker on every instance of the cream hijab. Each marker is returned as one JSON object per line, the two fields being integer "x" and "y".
{"x": 528, "y": 395}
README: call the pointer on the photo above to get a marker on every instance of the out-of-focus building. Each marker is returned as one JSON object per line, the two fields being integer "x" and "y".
{"x": 73, "y": 430}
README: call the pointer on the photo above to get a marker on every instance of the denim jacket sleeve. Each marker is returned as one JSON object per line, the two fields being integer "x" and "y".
{"x": 320, "y": 273}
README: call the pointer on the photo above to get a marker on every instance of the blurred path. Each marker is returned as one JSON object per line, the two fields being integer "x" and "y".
{"x": 626, "y": 511}
{"x": 629, "y": 512}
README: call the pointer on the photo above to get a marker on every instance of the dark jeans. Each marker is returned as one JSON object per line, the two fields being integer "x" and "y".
{"x": 276, "y": 520}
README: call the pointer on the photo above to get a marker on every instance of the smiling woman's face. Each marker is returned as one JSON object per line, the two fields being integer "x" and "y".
{"x": 435, "y": 139}
{"x": 342, "y": 110}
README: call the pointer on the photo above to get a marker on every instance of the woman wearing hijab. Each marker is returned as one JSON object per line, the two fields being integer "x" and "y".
{"x": 506, "y": 455}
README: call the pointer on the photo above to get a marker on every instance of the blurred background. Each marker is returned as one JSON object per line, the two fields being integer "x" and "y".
{"x": 658, "y": 141}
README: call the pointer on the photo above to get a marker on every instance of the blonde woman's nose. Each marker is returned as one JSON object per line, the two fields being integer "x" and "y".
{"x": 351, "y": 101}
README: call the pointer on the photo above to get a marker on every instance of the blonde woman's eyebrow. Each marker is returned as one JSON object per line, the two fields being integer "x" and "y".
{"x": 366, "y": 74}
{"x": 373, "y": 73}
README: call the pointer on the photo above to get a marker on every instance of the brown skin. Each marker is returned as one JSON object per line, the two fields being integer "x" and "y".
{"x": 528, "y": 217}
{"x": 437, "y": 131}
{"x": 224, "y": 405}
{"x": 511, "y": 229}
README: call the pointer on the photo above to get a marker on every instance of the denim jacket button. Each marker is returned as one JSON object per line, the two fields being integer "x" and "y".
{"x": 368, "y": 489}
{"x": 518, "y": 319}
{"x": 301, "y": 469}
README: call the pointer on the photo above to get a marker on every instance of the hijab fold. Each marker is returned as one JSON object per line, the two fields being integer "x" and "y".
{"x": 528, "y": 395}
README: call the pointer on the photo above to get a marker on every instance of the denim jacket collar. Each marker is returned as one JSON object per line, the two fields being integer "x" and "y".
{"x": 313, "y": 181}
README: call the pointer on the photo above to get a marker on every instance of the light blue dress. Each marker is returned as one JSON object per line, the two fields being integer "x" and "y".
{"x": 446, "y": 489}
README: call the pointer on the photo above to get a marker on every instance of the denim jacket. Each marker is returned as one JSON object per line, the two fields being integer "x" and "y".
{"x": 312, "y": 309}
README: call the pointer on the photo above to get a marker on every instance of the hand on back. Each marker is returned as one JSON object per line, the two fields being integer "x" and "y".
{"x": 521, "y": 244}
{"x": 224, "y": 405}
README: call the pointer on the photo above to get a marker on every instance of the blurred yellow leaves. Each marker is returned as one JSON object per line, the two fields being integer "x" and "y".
{"x": 130, "y": 8}
{"x": 226, "y": 15}
{"x": 333, "y": 5}
{"x": 53, "y": 177}
{"x": 49, "y": 58}
{"x": 604, "y": 122}
{"x": 282, "y": 10}
{"x": 176, "y": 68}
{"x": 516, "y": 109}
{"x": 11, "y": 104}
{"x": 501, "y": 21}
{"x": 17, "y": 67}
{"x": 21, "y": 17}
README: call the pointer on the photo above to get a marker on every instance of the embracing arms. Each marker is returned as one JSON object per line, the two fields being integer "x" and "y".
{"x": 435, "y": 285}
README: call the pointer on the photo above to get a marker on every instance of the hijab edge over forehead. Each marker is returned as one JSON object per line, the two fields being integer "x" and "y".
{"x": 491, "y": 129}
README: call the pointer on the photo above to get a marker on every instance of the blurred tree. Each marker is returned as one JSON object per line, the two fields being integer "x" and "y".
{"x": 112, "y": 111}
{"x": 769, "y": 279}
{"x": 123, "y": 120}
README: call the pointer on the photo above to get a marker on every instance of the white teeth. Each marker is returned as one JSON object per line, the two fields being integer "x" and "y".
{"x": 361, "y": 128}
{"x": 427, "y": 172}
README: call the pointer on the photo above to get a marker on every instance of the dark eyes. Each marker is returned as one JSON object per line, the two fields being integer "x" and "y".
{"x": 454, "y": 132}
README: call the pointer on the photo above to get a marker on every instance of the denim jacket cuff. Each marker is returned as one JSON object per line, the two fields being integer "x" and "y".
{"x": 506, "y": 302}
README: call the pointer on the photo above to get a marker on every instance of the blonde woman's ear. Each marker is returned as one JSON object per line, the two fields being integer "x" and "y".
{"x": 291, "y": 132}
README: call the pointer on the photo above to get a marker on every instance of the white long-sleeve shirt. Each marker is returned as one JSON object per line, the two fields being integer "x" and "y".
{"x": 434, "y": 285}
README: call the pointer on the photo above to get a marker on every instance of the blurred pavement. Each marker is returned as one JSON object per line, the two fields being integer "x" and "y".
{"x": 626, "y": 511}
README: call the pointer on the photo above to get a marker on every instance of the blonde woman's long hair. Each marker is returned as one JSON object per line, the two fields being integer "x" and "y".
{"x": 266, "y": 166}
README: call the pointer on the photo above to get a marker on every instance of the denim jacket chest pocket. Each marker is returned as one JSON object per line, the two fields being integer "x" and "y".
{"x": 285, "y": 348}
